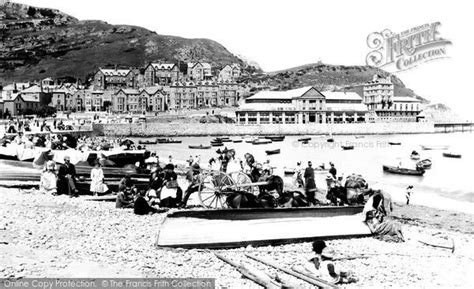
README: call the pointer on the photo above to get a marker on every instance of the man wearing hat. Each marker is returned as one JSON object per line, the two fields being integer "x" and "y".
{"x": 310, "y": 187}
{"x": 333, "y": 170}
{"x": 192, "y": 177}
{"x": 322, "y": 266}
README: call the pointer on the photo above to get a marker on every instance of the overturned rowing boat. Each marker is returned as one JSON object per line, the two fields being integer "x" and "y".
{"x": 240, "y": 227}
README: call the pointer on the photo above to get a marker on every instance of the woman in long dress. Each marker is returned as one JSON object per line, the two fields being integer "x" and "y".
{"x": 97, "y": 180}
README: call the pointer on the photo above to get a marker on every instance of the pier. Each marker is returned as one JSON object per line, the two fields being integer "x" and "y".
{"x": 454, "y": 127}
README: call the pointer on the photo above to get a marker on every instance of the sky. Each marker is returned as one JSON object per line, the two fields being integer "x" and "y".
{"x": 281, "y": 34}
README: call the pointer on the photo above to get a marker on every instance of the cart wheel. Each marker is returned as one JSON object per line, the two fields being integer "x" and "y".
{"x": 214, "y": 189}
{"x": 242, "y": 178}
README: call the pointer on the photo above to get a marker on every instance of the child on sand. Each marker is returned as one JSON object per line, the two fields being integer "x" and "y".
{"x": 408, "y": 193}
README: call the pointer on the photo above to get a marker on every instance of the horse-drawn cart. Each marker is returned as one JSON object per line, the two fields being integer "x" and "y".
{"x": 215, "y": 187}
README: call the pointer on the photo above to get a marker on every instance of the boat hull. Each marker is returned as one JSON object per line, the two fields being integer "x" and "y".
{"x": 272, "y": 152}
{"x": 241, "y": 227}
{"x": 403, "y": 171}
{"x": 451, "y": 155}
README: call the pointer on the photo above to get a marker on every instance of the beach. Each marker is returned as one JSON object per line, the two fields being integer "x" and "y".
{"x": 42, "y": 235}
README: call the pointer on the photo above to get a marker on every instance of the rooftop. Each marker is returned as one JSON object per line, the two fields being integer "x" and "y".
{"x": 32, "y": 89}
{"x": 284, "y": 95}
{"x": 340, "y": 95}
{"x": 167, "y": 66}
{"x": 405, "y": 99}
{"x": 115, "y": 72}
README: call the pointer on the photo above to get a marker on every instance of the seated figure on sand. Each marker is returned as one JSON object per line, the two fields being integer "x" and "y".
{"x": 141, "y": 205}
{"x": 48, "y": 182}
{"x": 322, "y": 265}
{"x": 383, "y": 228}
{"x": 67, "y": 178}
{"x": 124, "y": 199}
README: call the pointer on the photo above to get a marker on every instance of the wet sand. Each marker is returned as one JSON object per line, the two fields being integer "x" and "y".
{"x": 46, "y": 236}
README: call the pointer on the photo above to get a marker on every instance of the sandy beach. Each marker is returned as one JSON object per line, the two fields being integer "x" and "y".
{"x": 42, "y": 235}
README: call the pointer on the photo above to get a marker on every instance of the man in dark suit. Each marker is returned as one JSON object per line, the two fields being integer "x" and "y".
{"x": 67, "y": 178}
{"x": 310, "y": 184}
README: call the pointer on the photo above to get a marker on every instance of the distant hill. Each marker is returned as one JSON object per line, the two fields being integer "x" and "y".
{"x": 327, "y": 77}
{"x": 439, "y": 112}
{"x": 36, "y": 43}
{"x": 39, "y": 42}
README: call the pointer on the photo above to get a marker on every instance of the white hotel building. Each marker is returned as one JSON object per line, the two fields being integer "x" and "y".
{"x": 304, "y": 105}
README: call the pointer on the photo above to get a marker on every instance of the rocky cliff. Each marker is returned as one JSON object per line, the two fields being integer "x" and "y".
{"x": 38, "y": 42}
{"x": 326, "y": 77}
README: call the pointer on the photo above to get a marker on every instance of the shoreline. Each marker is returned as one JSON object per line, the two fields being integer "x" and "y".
{"x": 60, "y": 237}
{"x": 216, "y": 129}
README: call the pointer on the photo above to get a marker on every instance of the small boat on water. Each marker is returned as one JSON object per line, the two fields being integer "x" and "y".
{"x": 350, "y": 147}
{"x": 289, "y": 171}
{"x": 223, "y": 139}
{"x": 276, "y": 138}
{"x": 424, "y": 164}
{"x": 272, "y": 152}
{"x": 330, "y": 140}
{"x": 415, "y": 155}
{"x": 434, "y": 147}
{"x": 199, "y": 147}
{"x": 403, "y": 171}
{"x": 359, "y": 136}
{"x": 217, "y": 144}
{"x": 261, "y": 141}
{"x": 250, "y": 140}
{"x": 304, "y": 139}
{"x": 168, "y": 140}
{"x": 237, "y": 140}
{"x": 452, "y": 155}
{"x": 392, "y": 143}
{"x": 147, "y": 142}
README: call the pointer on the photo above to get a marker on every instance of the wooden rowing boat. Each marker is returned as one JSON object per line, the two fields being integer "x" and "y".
{"x": 392, "y": 143}
{"x": 241, "y": 227}
{"x": 330, "y": 140}
{"x": 425, "y": 164}
{"x": 434, "y": 147}
{"x": 276, "y": 138}
{"x": 272, "y": 152}
{"x": 147, "y": 142}
{"x": 304, "y": 139}
{"x": 199, "y": 147}
{"x": 261, "y": 141}
{"x": 217, "y": 144}
{"x": 347, "y": 147}
{"x": 452, "y": 155}
{"x": 81, "y": 170}
{"x": 403, "y": 171}
{"x": 168, "y": 140}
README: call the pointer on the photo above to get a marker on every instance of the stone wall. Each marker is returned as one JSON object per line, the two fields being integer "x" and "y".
{"x": 197, "y": 129}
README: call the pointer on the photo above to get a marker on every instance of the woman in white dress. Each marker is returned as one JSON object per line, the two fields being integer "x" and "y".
{"x": 48, "y": 181}
{"x": 97, "y": 180}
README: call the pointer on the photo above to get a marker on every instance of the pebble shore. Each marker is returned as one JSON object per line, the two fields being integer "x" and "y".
{"x": 46, "y": 236}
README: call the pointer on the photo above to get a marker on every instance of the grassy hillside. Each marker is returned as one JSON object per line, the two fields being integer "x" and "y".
{"x": 37, "y": 43}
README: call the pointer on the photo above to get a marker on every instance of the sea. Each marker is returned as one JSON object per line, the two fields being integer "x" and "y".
{"x": 447, "y": 185}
